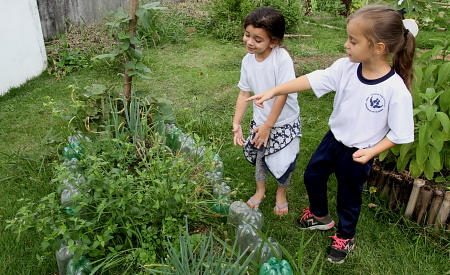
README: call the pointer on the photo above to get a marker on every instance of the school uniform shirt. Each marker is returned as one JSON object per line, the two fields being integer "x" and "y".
{"x": 258, "y": 77}
{"x": 365, "y": 111}
{"x": 284, "y": 144}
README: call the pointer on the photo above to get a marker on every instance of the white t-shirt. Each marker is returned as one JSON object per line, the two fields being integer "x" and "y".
{"x": 365, "y": 111}
{"x": 258, "y": 77}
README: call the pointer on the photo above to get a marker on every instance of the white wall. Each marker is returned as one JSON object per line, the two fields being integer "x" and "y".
{"x": 22, "y": 49}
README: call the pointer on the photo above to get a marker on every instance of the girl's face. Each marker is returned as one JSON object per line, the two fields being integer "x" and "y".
{"x": 258, "y": 42}
{"x": 357, "y": 46}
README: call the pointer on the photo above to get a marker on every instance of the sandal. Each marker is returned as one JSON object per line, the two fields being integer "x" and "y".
{"x": 254, "y": 204}
{"x": 279, "y": 209}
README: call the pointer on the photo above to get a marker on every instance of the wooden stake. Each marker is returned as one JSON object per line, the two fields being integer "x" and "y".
{"x": 443, "y": 212}
{"x": 397, "y": 182}
{"x": 435, "y": 206}
{"x": 406, "y": 188}
{"x": 418, "y": 183}
{"x": 374, "y": 176}
{"x": 387, "y": 185}
{"x": 423, "y": 202}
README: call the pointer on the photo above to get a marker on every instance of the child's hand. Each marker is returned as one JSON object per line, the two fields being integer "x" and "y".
{"x": 363, "y": 156}
{"x": 261, "y": 136}
{"x": 260, "y": 98}
{"x": 238, "y": 137}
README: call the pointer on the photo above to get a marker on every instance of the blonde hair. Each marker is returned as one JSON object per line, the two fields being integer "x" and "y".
{"x": 384, "y": 24}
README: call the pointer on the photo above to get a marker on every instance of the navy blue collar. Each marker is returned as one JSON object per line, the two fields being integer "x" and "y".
{"x": 373, "y": 81}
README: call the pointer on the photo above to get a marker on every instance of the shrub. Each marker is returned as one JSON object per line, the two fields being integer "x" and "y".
{"x": 227, "y": 16}
{"x": 429, "y": 154}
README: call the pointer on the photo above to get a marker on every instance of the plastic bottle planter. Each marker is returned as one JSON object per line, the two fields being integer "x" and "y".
{"x": 216, "y": 177}
{"x": 247, "y": 237}
{"x": 63, "y": 257}
{"x": 221, "y": 206}
{"x": 172, "y": 139}
{"x": 274, "y": 267}
{"x": 241, "y": 214}
{"x": 82, "y": 267}
{"x": 221, "y": 190}
{"x": 263, "y": 251}
{"x": 74, "y": 148}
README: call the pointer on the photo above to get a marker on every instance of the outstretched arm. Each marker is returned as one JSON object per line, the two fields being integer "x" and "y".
{"x": 294, "y": 86}
{"x": 241, "y": 106}
{"x": 364, "y": 155}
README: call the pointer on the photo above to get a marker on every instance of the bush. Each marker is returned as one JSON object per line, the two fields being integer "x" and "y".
{"x": 429, "y": 154}
{"x": 227, "y": 16}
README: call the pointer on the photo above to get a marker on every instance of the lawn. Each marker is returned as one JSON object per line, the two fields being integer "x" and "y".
{"x": 200, "y": 78}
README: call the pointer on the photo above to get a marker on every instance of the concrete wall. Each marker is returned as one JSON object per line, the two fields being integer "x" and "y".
{"x": 55, "y": 13}
{"x": 22, "y": 50}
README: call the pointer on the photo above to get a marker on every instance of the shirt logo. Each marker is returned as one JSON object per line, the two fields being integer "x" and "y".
{"x": 375, "y": 103}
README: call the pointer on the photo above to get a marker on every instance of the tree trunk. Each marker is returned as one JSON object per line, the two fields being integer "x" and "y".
{"x": 348, "y": 5}
{"x": 127, "y": 80}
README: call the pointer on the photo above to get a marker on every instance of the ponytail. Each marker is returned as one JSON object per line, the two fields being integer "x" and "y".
{"x": 402, "y": 60}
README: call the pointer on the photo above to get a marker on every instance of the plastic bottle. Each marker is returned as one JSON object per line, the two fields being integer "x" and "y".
{"x": 74, "y": 148}
{"x": 216, "y": 177}
{"x": 240, "y": 214}
{"x": 247, "y": 237}
{"x": 173, "y": 136}
{"x": 63, "y": 257}
{"x": 263, "y": 251}
{"x": 221, "y": 189}
{"x": 82, "y": 267}
{"x": 274, "y": 267}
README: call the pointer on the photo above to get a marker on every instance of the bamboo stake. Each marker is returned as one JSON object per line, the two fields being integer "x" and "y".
{"x": 435, "y": 206}
{"x": 418, "y": 183}
{"x": 423, "y": 202}
{"x": 443, "y": 212}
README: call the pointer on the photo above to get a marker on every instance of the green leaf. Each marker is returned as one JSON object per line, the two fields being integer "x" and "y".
{"x": 422, "y": 153}
{"x": 445, "y": 121}
{"x": 404, "y": 149}
{"x": 443, "y": 73}
{"x": 438, "y": 139}
{"x": 444, "y": 100}
{"x": 429, "y": 72}
{"x": 130, "y": 65}
{"x": 431, "y": 112}
{"x": 424, "y": 135}
{"x": 383, "y": 155}
{"x": 402, "y": 162}
{"x": 415, "y": 169}
{"x": 134, "y": 53}
{"x": 435, "y": 159}
{"x": 396, "y": 150}
{"x": 436, "y": 50}
{"x": 429, "y": 170}
{"x": 44, "y": 245}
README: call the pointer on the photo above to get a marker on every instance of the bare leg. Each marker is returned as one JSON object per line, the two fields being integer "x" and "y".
{"x": 281, "y": 207}
{"x": 258, "y": 196}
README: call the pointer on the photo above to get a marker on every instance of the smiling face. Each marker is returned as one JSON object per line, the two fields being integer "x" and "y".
{"x": 358, "y": 48}
{"x": 258, "y": 42}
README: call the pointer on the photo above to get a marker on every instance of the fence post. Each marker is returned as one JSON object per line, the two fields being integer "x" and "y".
{"x": 418, "y": 183}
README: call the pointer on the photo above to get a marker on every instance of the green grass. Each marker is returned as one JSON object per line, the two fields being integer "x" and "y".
{"x": 200, "y": 78}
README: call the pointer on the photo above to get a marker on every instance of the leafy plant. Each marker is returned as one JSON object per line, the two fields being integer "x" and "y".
{"x": 429, "y": 153}
{"x": 120, "y": 201}
{"x": 227, "y": 16}
{"x": 427, "y": 13}
{"x": 127, "y": 41}
{"x": 199, "y": 254}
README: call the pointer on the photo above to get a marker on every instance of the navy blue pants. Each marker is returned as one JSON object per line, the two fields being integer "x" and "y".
{"x": 334, "y": 157}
